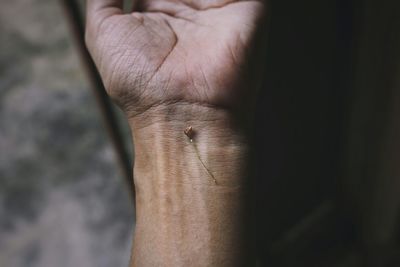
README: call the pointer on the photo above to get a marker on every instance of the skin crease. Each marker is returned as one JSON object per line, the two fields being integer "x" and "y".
{"x": 169, "y": 65}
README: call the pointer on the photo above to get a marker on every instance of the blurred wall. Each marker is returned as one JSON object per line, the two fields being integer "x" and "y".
{"x": 63, "y": 201}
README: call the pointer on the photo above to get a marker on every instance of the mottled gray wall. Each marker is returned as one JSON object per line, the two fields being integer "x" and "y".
{"x": 62, "y": 200}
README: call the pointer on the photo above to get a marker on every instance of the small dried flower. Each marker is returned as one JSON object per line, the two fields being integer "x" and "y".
{"x": 189, "y": 132}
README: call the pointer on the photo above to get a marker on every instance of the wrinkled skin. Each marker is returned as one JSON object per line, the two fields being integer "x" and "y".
{"x": 177, "y": 51}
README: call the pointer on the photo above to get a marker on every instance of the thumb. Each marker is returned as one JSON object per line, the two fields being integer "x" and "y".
{"x": 97, "y": 10}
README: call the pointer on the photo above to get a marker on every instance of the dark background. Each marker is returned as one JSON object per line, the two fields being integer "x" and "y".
{"x": 328, "y": 149}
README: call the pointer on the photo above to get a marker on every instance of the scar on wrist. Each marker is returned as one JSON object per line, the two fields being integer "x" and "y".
{"x": 189, "y": 132}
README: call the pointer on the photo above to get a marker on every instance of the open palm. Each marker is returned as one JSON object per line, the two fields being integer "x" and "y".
{"x": 176, "y": 50}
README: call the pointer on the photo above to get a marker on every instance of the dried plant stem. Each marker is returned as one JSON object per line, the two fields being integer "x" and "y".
{"x": 201, "y": 161}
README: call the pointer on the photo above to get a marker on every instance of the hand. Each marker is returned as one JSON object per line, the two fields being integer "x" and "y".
{"x": 202, "y": 51}
{"x": 191, "y": 64}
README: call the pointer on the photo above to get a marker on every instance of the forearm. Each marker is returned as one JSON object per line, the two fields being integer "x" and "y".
{"x": 191, "y": 196}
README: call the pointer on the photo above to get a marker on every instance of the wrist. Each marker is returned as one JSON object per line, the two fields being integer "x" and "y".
{"x": 181, "y": 211}
{"x": 218, "y": 144}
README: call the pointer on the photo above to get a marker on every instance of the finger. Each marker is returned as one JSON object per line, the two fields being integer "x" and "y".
{"x": 103, "y": 8}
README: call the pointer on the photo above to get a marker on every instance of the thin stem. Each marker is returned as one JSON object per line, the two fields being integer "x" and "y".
{"x": 201, "y": 161}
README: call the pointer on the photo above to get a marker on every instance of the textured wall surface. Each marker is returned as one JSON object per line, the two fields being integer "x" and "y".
{"x": 62, "y": 200}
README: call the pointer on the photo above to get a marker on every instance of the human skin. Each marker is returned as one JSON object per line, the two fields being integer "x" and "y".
{"x": 171, "y": 65}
